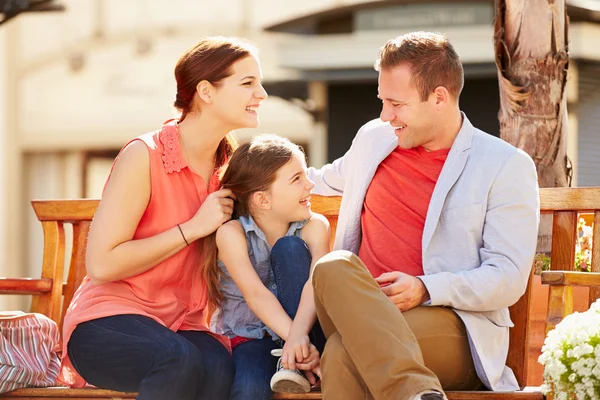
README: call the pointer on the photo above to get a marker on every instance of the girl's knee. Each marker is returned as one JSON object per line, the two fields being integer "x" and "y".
{"x": 290, "y": 244}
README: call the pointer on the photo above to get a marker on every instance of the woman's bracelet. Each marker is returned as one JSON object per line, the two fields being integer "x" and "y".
{"x": 183, "y": 236}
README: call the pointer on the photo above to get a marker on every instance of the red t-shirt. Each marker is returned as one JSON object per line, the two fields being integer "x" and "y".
{"x": 395, "y": 208}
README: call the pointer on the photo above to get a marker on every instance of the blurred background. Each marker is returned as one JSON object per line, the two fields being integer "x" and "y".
{"x": 80, "y": 78}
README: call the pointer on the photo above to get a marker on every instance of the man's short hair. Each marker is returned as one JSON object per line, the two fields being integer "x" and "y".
{"x": 433, "y": 61}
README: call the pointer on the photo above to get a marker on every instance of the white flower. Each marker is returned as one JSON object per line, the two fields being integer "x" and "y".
{"x": 571, "y": 357}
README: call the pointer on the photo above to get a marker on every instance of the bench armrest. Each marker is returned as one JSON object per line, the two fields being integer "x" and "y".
{"x": 571, "y": 278}
{"x": 25, "y": 286}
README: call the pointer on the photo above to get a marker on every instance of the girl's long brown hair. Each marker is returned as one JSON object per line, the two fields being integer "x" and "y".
{"x": 252, "y": 168}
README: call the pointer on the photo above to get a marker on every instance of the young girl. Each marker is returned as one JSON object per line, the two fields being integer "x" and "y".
{"x": 265, "y": 259}
{"x": 138, "y": 321}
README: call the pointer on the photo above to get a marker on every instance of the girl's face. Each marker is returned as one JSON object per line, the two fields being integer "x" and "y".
{"x": 289, "y": 195}
{"x": 236, "y": 99}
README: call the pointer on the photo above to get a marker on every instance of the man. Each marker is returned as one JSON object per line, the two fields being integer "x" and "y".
{"x": 437, "y": 234}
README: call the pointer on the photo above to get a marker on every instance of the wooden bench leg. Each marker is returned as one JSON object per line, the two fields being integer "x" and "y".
{"x": 560, "y": 304}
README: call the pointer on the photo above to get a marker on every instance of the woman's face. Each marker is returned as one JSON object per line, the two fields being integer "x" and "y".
{"x": 236, "y": 99}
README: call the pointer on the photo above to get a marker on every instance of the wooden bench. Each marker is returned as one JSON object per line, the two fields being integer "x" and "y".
{"x": 51, "y": 296}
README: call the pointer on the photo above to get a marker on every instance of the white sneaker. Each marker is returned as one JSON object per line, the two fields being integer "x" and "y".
{"x": 431, "y": 395}
{"x": 287, "y": 380}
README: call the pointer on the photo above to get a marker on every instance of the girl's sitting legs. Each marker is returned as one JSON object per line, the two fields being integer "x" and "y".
{"x": 254, "y": 367}
{"x": 290, "y": 260}
{"x": 135, "y": 353}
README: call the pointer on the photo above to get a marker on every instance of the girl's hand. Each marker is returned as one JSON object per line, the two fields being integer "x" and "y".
{"x": 214, "y": 212}
{"x": 295, "y": 349}
{"x": 312, "y": 362}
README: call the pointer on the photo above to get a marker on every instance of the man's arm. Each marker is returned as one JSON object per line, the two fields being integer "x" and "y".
{"x": 330, "y": 179}
{"x": 509, "y": 242}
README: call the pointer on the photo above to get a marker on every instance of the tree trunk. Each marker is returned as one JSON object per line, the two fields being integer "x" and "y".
{"x": 530, "y": 40}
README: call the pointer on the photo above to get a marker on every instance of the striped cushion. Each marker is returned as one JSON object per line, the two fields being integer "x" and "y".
{"x": 28, "y": 345}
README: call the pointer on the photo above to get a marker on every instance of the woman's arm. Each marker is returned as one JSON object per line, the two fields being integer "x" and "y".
{"x": 111, "y": 253}
{"x": 232, "y": 251}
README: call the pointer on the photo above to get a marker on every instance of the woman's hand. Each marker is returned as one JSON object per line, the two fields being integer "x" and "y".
{"x": 216, "y": 209}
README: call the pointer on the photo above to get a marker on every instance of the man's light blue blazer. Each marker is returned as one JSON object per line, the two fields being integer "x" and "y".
{"x": 480, "y": 232}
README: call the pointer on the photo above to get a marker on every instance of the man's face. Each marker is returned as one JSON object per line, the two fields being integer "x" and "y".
{"x": 414, "y": 120}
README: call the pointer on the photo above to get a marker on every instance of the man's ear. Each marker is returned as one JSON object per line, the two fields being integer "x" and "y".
{"x": 205, "y": 91}
{"x": 261, "y": 200}
{"x": 441, "y": 95}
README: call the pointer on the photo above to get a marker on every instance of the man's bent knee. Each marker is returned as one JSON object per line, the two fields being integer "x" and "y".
{"x": 333, "y": 266}
{"x": 335, "y": 353}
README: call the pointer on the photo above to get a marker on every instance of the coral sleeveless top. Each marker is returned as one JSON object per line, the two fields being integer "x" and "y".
{"x": 172, "y": 293}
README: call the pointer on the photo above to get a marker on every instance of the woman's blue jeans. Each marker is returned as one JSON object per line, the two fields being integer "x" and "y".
{"x": 254, "y": 364}
{"x": 134, "y": 353}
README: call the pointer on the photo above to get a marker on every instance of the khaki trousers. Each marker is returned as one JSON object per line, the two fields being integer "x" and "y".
{"x": 375, "y": 351}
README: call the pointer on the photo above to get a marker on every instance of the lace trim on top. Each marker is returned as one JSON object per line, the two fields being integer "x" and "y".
{"x": 172, "y": 157}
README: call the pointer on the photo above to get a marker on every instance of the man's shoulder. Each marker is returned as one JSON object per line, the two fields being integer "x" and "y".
{"x": 488, "y": 144}
{"x": 375, "y": 131}
{"x": 484, "y": 139}
{"x": 494, "y": 150}
{"x": 376, "y": 125}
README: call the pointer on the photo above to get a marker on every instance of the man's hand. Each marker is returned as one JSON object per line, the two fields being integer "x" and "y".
{"x": 310, "y": 365}
{"x": 405, "y": 291}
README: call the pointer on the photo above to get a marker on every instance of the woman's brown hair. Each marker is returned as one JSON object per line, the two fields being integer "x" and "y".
{"x": 209, "y": 60}
{"x": 252, "y": 168}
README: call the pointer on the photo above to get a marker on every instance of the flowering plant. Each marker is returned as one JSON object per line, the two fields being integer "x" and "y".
{"x": 571, "y": 357}
{"x": 583, "y": 251}
{"x": 583, "y": 247}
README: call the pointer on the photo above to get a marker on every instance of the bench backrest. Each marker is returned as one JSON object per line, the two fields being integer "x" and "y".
{"x": 54, "y": 214}
{"x": 53, "y": 299}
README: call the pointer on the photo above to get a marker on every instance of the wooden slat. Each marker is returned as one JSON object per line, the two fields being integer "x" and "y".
{"x": 24, "y": 286}
{"x": 571, "y": 278}
{"x": 328, "y": 206}
{"x": 52, "y": 268}
{"x": 495, "y": 395}
{"x": 595, "y": 267}
{"x": 77, "y": 269}
{"x": 564, "y": 233}
{"x": 520, "y": 314}
{"x": 479, "y": 395}
{"x": 67, "y": 393}
{"x": 560, "y": 304}
{"x": 569, "y": 199}
{"x": 298, "y": 396}
{"x": 65, "y": 210}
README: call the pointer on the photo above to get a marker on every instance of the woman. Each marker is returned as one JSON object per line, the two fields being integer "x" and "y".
{"x": 138, "y": 321}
